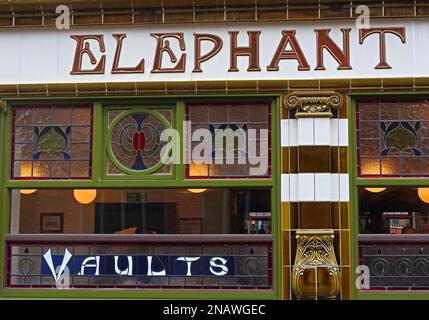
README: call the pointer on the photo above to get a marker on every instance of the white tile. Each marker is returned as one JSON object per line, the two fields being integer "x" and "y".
{"x": 285, "y": 188}
{"x": 343, "y": 132}
{"x": 306, "y": 186}
{"x": 10, "y": 62}
{"x": 344, "y": 187}
{"x": 335, "y": 187}
{"x": 293, "y": 187}
{"x": 421, "y": 34}
{"x": 314, "y": 131}
{"x": 406, "y": 59}
{"x": 284, "y": 133}
{"x": 293, "y": 132}
{"x": 314, "y": 187}
{"x": 39, "y": 55}
{"x": 334, "y": 132}
{"x": 306, "y": 131}
{"x": 322, "y": 187}
{"x": 322, "y": 131}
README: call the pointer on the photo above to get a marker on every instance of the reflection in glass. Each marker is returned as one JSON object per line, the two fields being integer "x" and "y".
{"x": 393, "y": 241}
{"x": 392, "y": 211}
{"x": 147, "y": 211}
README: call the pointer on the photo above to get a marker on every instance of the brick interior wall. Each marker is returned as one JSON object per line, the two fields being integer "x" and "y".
{"x": 182, "y": 205}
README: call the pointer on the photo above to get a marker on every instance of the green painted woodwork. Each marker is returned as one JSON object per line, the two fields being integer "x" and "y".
{"x": 97, "y": 142}
{"x": 5, "y": 138}
{"x": 275, "y": 196}
{"x": 135, "y": 294}
{"x": 176, "y": 180}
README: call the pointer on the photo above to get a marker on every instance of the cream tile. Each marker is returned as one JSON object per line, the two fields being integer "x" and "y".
{"x": 334, "y": 140}
{"x": 306, "y": 131}
{"x": 285, "y": 189}
{"x": 306, "y": 187}
{"x": 343, "y": 132}
{"x": 344, "y": 187}
{"x": 322, "y": 131}
{"x": 335, "y": 187}
{"x": 293, "y": 132}
{"x": 293, "y": 188}
{"x": 322, "y": 187}
{"x": 284, "y": 133}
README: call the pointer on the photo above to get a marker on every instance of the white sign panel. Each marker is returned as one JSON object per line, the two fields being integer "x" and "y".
{"x": 234, "y": 51}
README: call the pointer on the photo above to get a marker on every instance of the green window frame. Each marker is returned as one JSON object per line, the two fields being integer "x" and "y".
{"x": 100, "y": 179}
{"x": 357, "y": 182}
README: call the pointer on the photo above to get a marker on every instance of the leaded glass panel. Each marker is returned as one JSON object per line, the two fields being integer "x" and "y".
{"x": 135, "y": 141}
{"x": 393, "y": 138}
{"x": 247, "y": 121}
{"x": 52, "y": 142}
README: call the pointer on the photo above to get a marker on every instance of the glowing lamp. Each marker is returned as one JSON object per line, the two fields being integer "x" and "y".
{"x": 423, "y": 194}
{"x": 26, "y": 172}
{"x": 27, "y": 191}
{"x": 375, "y": 190}
{"x": 85, "y": 196}
{"x": 197, "y": 190}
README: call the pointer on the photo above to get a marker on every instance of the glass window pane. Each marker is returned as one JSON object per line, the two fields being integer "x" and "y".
{"x": 393, "y": 210}
{"x": 392, "y": 137}
{"x": 231, "y": 134}
{"x": 393, "y": 237}
{"x": 47, "y": 140}
{"x": 135, "y": 145}
{"x": 222, "y": 264}
{"x": 143, "y": 211}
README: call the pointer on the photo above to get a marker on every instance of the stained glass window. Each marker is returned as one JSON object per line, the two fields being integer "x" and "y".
{"x": 248, "y": 122}
{"x": 52, "y": 142}
{"x": 393, "y": 138}
{"x": 135, "y": 141}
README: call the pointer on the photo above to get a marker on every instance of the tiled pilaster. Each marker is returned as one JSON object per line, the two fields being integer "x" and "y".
{"x": 315, "y": 185}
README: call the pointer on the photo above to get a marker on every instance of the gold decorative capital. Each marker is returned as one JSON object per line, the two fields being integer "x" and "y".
{"x": 315, "y": 273}
{"x": 317, "y": 104}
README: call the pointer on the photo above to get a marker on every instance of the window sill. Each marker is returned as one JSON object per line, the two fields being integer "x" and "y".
{"x": 393, "y": 238}
{"x": 142, "y": 238}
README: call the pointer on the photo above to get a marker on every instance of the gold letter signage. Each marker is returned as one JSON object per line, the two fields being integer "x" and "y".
{"x": 278, "y": 51}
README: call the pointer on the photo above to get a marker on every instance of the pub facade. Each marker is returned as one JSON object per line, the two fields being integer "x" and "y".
{"x": 214, "y": 149}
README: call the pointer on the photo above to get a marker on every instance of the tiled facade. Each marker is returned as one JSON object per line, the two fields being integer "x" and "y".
{"x": 315, "y": 187}
{"x": 314, "y": 177}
